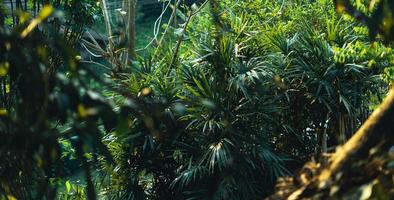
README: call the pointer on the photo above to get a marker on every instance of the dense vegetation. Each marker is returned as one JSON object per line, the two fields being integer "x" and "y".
{"x": 227, "y": 98}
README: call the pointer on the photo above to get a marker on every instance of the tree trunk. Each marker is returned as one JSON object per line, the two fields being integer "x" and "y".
{"x": 174, "y": 11}
{"x": 378, "y": 128}
{"x": 376, "y": 133}
{"x": 131, "y": 28}
{"x": 104, "y": 8}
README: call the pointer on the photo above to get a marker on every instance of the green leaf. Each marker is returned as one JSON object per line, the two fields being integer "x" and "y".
{"x": 68, "y": 186}
{"x": 4, "y": 67}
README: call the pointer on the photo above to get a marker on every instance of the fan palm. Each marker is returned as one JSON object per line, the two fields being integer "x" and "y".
{"x": 320, "y": 88}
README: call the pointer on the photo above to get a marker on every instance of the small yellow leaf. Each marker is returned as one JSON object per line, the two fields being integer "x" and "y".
{"x": 145, "y": 91}
{"x": 374, "y": 45}
{"x": 24, "y": 16}
{"x": 82, "y": 111}
{"x": 279, "y": 82}
{"x": 86, "y": 112}
{"x": 372, "y": 4}
{"x": 42, "y": 52}
{"x": 45, "y": 12}
{"x": 7, "y": 88}
{"x": 371, "y": 63}
{"x": 4, "y": 67}
{"x": 340, "y": 8}
{"x": 3, "y": 112}
{"x": 11, "y": 197}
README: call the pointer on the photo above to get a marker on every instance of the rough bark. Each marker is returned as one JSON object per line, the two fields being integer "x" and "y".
{"x": 374, "y": 135}
{"x": 377, "y": 129}
{"x": 131, "y": 29}
{"x": 361, "y": 160}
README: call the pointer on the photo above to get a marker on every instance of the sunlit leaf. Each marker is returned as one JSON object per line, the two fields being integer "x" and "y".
{"x": 45, "y": 12}
{"x": 4, "y": 67}
{"x": 68, "y": 186}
